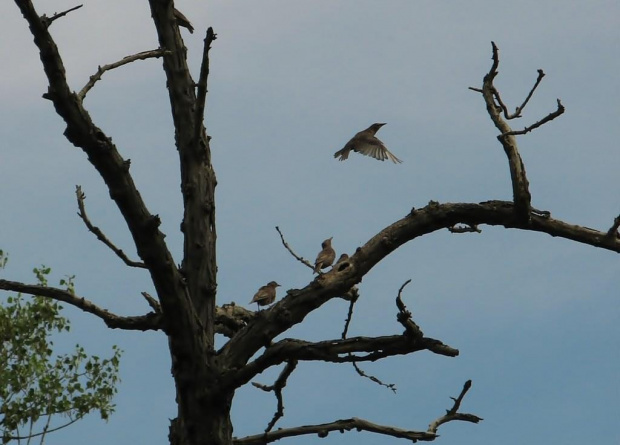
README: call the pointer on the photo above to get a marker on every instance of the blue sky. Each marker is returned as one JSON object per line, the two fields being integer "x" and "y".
{"x": 535, "y": 318}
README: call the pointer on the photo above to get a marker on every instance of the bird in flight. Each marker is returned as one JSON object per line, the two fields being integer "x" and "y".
{"x": 366, "y": 143}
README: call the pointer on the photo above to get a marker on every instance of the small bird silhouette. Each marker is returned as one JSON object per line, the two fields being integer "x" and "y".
{"x": 367, "y": 144}
{"x": 182, "y": 21}
{"x": 266, "y": 294}
{"x": 326, "y": 257}
{"x": 342, "y": 258}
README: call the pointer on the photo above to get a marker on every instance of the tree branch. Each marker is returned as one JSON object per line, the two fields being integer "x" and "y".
{"x": 48, "y": 20}
{"x": 201, "y": 96}
{"x": 453, "y": 414}
{"x": 335, "y": 351}
{"x": 98, "y": 233}
{"x": 324, "y": 429}
{"x": 613, "y": 230}
{"x": 114, "y": 170}
{"x": 298, "y": 303}
{"x": 558, "y": 112}
{"x": 520, "y": 108}
{"x": 520, "y": 184}
{"x": 359, "y": 370}
{"x": 148, "y": 322}
{"x": 404, "y": 316}
{"x": 297, "y": 257}
{"x": 277, "y": 388}
{"x": 155, "y": 53}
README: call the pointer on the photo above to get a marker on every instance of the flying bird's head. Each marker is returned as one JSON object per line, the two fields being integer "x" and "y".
{"x": 375, "y": 127}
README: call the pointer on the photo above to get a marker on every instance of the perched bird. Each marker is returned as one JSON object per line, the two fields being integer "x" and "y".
{"x": 182, "y": 21}
{"x": 266, "y": 294}
{"x": 326, "y": 257}
{"x": 342, "y": 258}
{"x": 367, "y": 144}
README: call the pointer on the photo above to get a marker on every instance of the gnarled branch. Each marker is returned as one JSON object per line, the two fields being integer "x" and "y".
{"x": 293, "y": 308}
{"x": 150, "y": 321}
{"x": 324, "y": 429}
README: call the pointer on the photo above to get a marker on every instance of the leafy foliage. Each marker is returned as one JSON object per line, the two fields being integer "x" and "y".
{"x": 35, "y": 386}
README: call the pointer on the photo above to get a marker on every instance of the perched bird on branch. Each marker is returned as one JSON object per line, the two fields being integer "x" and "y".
{"x": 266, "y": 294}
{"x": 342, "y": 258}
{"x": 367, "y": 144}
{"x": 326, "y": 257}
{"x": 182, "y": 21}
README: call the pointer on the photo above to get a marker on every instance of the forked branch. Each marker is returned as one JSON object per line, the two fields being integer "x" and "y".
{"x": 453, "y": 414}
{"x": 277, "y": 388}
{"x": 324, "y": 429}
{"x": 495, "y": 108}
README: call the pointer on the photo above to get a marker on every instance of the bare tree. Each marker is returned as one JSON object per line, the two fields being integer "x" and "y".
{"x": 185, "y": 310}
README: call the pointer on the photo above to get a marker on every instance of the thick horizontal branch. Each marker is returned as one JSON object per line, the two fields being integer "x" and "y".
{"x": 150, "y": 321}
{"x": 293, "y": 308}
{"x": 324, "y": 429}
{"x": 337, "y": 351}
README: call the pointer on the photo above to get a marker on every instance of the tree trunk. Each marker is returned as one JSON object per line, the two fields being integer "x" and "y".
{"x": 203, "y": 420}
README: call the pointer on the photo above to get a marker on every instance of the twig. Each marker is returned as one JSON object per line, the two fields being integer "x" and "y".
{"x": 99, "y": 234}
{"x": 558, "y": 112}
{"x": 404, "y": 316}
{"x": 613, "y": 230}
{"x": 47, "y": 21}
{"x": 155, "y": 53}
{"x": 152, "y": 302}
{"x": 359, "y": 370}
{"x": 201, "y": 98}
{"x": 520, "y": 108}
{"x": 347, "y": 322}
{"x": 372, "y": 378}
{"x": 277, "y": 387}
{"x": 453, "y": 414}
{"x": 297, "y": 257}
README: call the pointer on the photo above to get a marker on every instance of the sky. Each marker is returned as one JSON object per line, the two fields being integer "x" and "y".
{"x": 535, "y": 318}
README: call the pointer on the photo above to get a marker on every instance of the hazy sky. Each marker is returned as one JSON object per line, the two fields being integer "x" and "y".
{"x": 535, "y": 318}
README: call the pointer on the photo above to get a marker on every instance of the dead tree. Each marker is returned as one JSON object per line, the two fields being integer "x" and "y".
{"x": 185, "y": 309}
